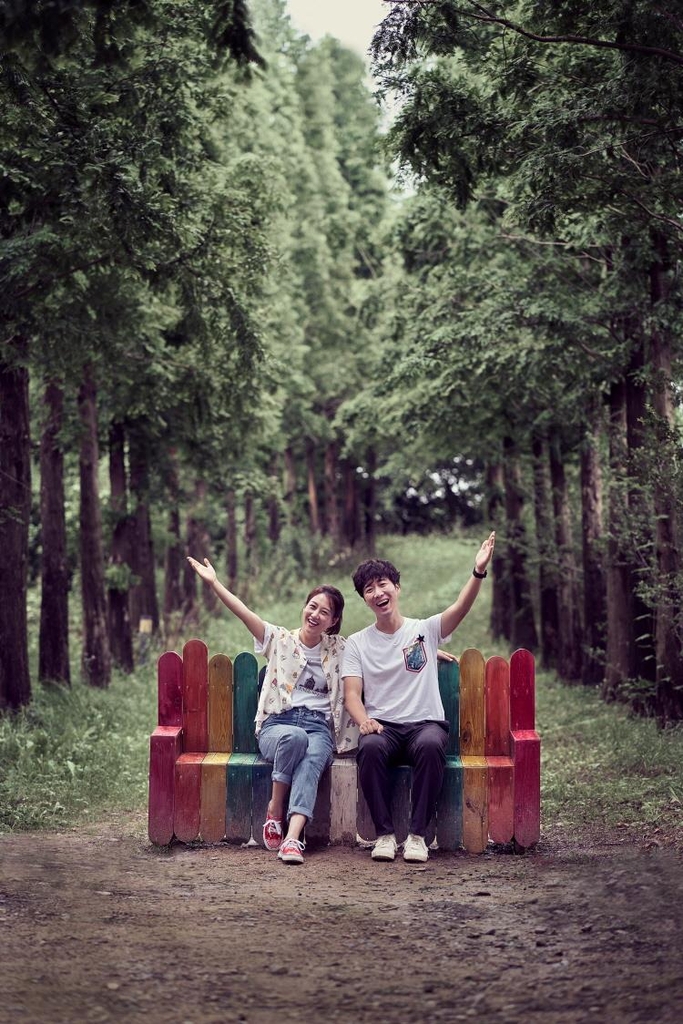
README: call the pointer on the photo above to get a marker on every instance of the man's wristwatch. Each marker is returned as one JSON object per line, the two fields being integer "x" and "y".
{"x": 479, "y": 575}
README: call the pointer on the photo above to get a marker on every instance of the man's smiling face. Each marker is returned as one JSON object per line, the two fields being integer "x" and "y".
{"x": 381, "y": 595}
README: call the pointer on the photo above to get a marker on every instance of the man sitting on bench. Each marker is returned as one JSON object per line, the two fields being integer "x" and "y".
{"x": 391, "y": 690}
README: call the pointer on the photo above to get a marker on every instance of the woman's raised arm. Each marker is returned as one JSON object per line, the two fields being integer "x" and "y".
{"x": 251, "y": 620}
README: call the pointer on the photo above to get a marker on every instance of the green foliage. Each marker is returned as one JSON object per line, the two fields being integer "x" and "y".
{"x": 76, "y": 752}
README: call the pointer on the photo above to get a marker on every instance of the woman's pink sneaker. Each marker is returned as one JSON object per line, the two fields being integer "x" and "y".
{"x": 272, "y": 833}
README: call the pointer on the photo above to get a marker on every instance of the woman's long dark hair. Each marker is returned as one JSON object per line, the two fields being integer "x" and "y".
{"x": 336, "y": 600}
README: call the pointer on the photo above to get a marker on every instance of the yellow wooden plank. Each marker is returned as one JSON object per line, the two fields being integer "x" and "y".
{"x": 220, "y": 703}
{"x": 213, "y": 797}
{"x": 475, "y": 824}
{"x": 472, "y": 704}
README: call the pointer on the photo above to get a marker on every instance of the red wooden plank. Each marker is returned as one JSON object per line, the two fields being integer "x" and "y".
{"x": 522, "y": 690}
{"x": 186, "y": 808}
{"x": 195, "y": 697}
{"x": 497, "y": 707}
{"x": 165, "y": 745}
{"x": 501, "y": 798}
{"x": 170, "y": 688}
{"x": 526, "y": 750}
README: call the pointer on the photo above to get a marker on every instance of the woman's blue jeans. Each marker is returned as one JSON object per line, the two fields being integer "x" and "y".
{"x": 299, "y": 744}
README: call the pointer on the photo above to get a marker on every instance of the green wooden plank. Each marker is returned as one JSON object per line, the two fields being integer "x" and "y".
{"x": 245, "y": 699}
{"x": 449, "y": 686}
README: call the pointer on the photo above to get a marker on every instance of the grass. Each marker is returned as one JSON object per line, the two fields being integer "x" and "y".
{"x": 78, "y": 754}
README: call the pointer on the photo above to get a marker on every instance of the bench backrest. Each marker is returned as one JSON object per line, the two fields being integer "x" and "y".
{"x": 214, "y": 700}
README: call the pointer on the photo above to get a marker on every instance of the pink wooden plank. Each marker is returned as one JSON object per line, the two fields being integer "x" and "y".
{"x": 501, "y": 798}
{"x": 186, "y": 806}
{"x": 522, "y": 690}
{"x": 497, "y": 707}
{"x": 170, "y": 688}
{"x": 195, "y": 697}
{"x": 526, "y": 751}
{"x": 165, "y": 745}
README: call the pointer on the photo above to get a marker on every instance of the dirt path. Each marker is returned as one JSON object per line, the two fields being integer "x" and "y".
{"x": 102, "y": 927}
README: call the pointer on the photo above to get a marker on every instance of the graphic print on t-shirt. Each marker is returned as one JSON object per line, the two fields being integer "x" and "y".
{"x": 309, "y": 684}
{"x": 415, "y": 655}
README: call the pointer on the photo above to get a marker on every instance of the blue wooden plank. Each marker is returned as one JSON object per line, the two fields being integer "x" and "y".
{"x": 238, "y": 798}
{"x": 449, "y": 807}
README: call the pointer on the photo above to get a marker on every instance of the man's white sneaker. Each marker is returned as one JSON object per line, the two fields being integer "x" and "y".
{"x": 415, "y": 849}
{"x": 385, "y": 848}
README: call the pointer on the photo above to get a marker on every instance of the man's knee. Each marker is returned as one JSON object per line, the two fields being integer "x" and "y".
{"x": 372, "y": 748}
{"x": 293, "y": 743}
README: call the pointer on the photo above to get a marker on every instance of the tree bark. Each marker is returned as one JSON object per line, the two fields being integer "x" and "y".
{"x": 250, "y": 553}
{"x": 351, "y": 509}
{"x": 594, "y": 592}
{"x": 640, "y": 514}
{"x": 290, "y": 486}
{"x": 273, "y": 504}
{"x": 332, "y": 518}
{"x": 569, "y": 649}
{"x": 313, "y": 513}
{"x": 53, "y": 657}
{"x": 620, "y": 635}
{"x": 547, "y": 555}
{"x": 96, "y": 658}
{"x": 15, "y": 513}
{"x": 173, "y": 557}
{"x": 143, "y": 596}
{"x": 231, "y": 561}
{"x": 120, "y": 634}
{"x": 523, "y": 626}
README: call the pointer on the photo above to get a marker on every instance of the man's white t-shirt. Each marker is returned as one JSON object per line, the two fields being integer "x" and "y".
{"x": 399, "y": 670}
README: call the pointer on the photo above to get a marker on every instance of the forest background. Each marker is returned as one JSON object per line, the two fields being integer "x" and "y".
{"x": 243, "y": 318}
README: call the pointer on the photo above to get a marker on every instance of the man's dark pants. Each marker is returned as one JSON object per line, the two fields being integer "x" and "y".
{"x": 419, "y": 744}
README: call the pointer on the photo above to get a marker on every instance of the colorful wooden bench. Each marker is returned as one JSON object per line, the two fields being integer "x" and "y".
{"x": 206, "y": 780}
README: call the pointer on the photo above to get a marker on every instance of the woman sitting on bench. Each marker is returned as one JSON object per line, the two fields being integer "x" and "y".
{"x": 300, "y": 716}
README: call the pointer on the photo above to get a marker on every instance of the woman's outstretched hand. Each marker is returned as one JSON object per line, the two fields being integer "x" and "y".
{"x": 206, "y": 571}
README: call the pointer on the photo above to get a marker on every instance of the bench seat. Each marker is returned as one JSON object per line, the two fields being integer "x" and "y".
{"x": 207, "y": 781}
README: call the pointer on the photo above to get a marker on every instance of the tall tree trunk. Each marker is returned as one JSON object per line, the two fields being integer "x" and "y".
{"x": 96, "y": 657}
{"x": 143, "y": 596}
{"x": 250, "y": 552}
{"x": 273, "y": 502}
{"x": 594, "y": 592}
{"x": 120, "y": 634}
{"x": 173, "y": 557}
{"x": 313, "y": 513}
{"x": 569, "y": 651}
{"x": 290, "y": 486}
{"x": 332, "y": 518}
{"x": 547, "y": 555}
{"x": 501, "y": 601}
{"x": 669, "y": 614}
{"x": 15, "y": 514}
{"x": 620, "y": 627}
{"x": 189, "y": 576}
{"x": 523, "y": 625}
{"x": 53, "y": 658}
{"x": 640, "y": 513}
{"x": 231, "y": 562}
{"x": 351, "y": 509}
{"x": 371, "y": 503}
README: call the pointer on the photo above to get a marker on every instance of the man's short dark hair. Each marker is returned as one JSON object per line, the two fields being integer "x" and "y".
{"x": 374, "y": 569}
